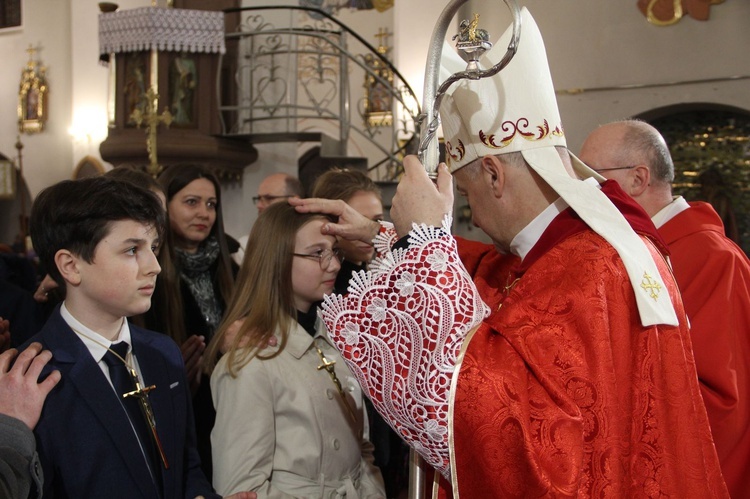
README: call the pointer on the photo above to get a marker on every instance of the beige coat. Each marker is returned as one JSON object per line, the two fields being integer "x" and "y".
{"x": 282, "y": 429}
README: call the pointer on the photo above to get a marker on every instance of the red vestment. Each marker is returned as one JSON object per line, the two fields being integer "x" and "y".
{"x": 562, "y": 393}
{"x": 713, "y": 275}
{"x": 489, "y": 269}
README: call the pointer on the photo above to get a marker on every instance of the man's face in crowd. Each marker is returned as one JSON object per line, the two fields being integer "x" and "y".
{"x": 271, "y": 190}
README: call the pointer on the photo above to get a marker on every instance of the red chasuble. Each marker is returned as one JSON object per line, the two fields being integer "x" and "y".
{"x": 713, "y": 275}
{"x": 562, "y": 393}
{"x": 489, "y": 269}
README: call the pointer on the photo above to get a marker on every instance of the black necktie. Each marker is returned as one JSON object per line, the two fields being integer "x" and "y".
{"x": 123, "y": 383}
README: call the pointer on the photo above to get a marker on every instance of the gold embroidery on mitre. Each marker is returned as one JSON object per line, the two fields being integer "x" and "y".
{"x": 456, "y": 154}
{"x": 651, "y": 286}
{"x": 520, "y": 128}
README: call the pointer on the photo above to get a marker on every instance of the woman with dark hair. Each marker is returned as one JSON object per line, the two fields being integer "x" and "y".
{"x": 195, "y": 283}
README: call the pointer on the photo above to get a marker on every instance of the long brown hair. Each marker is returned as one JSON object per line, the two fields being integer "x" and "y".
{"x": 173, "y": 180}
{"x": 263, "y": 297}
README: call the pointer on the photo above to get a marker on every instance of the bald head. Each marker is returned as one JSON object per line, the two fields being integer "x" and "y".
{"x": 635, "y": 155}
{"x": 277, "y": 187}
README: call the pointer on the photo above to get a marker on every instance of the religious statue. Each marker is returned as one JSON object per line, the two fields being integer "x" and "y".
{"x": 183, "y": 81}
{"x": 470, "y": 33}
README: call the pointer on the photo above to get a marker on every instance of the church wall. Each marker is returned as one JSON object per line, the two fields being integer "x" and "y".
{"x": 591, "y": 44}
{"x": 46, "y": 156}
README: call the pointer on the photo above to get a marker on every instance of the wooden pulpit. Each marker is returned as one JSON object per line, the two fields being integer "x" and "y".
{"x": 165, "y": 76}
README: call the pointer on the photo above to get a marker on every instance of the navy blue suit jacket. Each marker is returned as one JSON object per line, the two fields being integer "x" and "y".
{"x": 85, "y": 442}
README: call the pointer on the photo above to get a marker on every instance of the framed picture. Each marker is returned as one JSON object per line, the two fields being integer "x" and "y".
{"x": 135, "y": 82}
{"x": 7, "y": 179}
{"x": 32, "y": 99}
{"x": 10, "y": 15}
{"x": 183, "y": 89}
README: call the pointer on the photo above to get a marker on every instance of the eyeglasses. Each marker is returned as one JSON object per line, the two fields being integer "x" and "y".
{"x": 324, "y": 257}
{"x": 267, "y": 198}
{"x": 598, "y": 170}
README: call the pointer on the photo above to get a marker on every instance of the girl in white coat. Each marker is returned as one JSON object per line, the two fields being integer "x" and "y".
{"x": 289, "y": 417}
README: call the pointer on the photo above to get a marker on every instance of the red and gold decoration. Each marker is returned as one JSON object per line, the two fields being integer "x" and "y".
{"x": 669, "y": 12}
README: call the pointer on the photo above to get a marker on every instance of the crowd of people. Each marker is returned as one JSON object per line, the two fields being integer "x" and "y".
{"x": 599, "y": 346}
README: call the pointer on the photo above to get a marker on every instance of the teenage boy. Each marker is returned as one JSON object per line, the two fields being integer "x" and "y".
{"x": 97, "y": 238}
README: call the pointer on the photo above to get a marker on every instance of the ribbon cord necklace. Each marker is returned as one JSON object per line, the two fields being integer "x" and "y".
{"x": 141, "y": 394}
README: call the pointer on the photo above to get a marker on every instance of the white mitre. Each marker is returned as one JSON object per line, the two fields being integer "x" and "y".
{"x": 516, "y": 111}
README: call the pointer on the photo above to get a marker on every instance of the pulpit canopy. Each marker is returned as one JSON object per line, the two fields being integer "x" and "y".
{"x": 162, "y": 29}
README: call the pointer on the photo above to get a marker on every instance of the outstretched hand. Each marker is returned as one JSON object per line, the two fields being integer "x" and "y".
{"x": 192, "y": 354}
{"x": 419, "y": 200}
{"x": 351, "y": 225}
{"x": 21, "y": 394}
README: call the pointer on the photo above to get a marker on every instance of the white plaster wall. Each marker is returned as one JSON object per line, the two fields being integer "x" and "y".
{"x": 605, "y": 43}
{"x": 590, "y": 43}
{"x": 46, "y": 156}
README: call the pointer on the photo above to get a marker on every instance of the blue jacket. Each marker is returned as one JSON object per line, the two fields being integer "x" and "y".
{"x": 84, "y": 439}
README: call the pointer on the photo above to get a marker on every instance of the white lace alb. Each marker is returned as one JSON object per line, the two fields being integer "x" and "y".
{"x": 400, "y": 330}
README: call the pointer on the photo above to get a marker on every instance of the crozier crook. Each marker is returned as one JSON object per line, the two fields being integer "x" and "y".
{"x": 471, "y": 49}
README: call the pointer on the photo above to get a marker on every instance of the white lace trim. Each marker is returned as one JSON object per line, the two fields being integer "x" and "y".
{"x": 400, "y": 330}
{"x": 162, "y": 29}
{"x": 385, "y": 239}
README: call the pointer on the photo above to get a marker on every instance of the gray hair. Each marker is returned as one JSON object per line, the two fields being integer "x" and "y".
{"x": 643, "y": 142}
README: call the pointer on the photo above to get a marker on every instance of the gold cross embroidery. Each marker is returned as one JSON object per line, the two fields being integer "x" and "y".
{"x": 651, "y": 286}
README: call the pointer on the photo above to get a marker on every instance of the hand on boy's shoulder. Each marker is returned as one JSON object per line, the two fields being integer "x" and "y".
{"x": 21, "y": 393}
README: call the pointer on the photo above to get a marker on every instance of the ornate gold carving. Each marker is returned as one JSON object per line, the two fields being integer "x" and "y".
{"x": 470, "y": 32}
{"x": 378, "y": 97}
{"x": 677, "y": 5}
{"x": 152, "y": 119}
{"x": 677, "y": 9}
{"x": 32, "y": 96}
{"x": 652, "y": 287}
